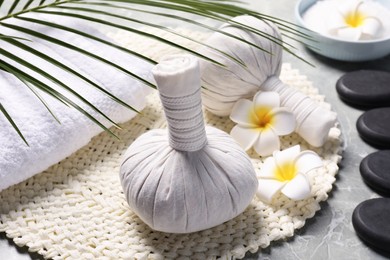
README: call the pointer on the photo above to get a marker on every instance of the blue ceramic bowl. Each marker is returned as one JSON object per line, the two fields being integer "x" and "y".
{"x": 341, "y": 49}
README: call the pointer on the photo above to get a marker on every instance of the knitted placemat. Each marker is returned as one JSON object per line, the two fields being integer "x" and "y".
{"x": 76, "y": 209}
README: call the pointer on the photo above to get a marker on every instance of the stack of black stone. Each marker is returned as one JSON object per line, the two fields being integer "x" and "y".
{"x": 370, "y": 90}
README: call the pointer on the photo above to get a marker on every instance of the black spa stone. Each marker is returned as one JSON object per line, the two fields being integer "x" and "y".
{"x": 374, "y": 127}
{"x": 375, "y": 171}
{"x": 371, "y": 220}
{"x": 365, "y": 88}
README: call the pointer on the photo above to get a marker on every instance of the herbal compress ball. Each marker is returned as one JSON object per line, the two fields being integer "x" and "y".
{"x": 186, "y": 178}
{"x": 224, "y": 86}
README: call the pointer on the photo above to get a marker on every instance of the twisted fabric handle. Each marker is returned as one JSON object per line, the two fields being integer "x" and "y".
{"x": 185, "y": 122}
{"x": 313, "y": 121}
{"x": 178, "y": 81}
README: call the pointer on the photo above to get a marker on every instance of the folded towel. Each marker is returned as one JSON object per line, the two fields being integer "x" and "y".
{"x": 49, "y": 141}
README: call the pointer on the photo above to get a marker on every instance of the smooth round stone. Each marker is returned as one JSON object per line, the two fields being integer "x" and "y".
{"x": 374, "y": 127}
{"x": 366, "y": 88}
{"x": 375, "y": 171}
{"x": 371, "y": 222}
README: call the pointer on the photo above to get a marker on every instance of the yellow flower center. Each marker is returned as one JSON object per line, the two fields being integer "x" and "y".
{"x": 286, "y": 172}
{"x": 261, "y": 117}
{"x": 355, "y": 19}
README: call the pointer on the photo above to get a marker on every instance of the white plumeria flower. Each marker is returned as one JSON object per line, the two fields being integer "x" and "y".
{"x": 355, "y": 20}
{"x": 286, "y": 172}
{"x": 259, "y": 123}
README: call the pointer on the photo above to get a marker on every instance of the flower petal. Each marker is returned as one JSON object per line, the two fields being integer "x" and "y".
{"x": 267, "y": 189}
{"x": 298, "y": 188}
{"x": 348, "y": 6}
{"x": 307, "y": 161}
{"x": 283, "y": 121}
{"x": 246, "y": 137}
{"x": 371, "y": 8}
{"x": 267, "y": 99}
{"x": 335, "y": 21}
{"x": 267, "y": 143}
{"x": 287, "y": 155}
{"x": 268, "y": 168}
{"x": 350, "y": 34}
{"x": 371, "y": 26}
{"x": 243, "y": 112}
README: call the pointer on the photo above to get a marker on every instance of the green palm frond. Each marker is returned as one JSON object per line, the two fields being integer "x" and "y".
{"x": 9, "y": 118}
{"x": 108, "y": 13}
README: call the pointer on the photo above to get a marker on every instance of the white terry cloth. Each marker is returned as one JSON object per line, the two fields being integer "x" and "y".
{"x": 49, "y": 141}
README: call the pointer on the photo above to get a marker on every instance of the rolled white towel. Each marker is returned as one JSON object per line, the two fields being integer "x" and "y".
{"x": 49, "y": 141}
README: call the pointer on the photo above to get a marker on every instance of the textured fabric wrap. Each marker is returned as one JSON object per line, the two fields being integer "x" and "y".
{"x": 224, "y": 86}
{"x": 178, "y": 180}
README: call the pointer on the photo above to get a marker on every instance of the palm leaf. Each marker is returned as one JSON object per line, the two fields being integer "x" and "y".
{"x": 206, "y": 13}
{"x": 52, "y": 92}
{"x": 5, "y": 37}
{"x": 139, "y": 32}
{"x": 75, "y": 48}
{"x": 15, "y": 3}
{"x": 9, "y": 118}
{"x": 176, "y": 17}
{"x": 28, "y": 3}
{"x": 163, "y": 28}
{"x": 70, "y": 70}
{"x": 90, "y": 11}
{"x": 28, "y": 65}
{"x": 35, "y": 92}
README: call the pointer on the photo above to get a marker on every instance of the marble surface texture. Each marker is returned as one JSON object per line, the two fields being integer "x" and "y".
{"x": 330, "y": 234}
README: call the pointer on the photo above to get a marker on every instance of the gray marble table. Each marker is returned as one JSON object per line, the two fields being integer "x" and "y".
{"x": 330, "y": 234}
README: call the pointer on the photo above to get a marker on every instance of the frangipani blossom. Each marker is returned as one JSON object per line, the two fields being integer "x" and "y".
{"x": 355, "y": 20}
{"x": 259, "y": 123}
{"x": 286, "y": 172}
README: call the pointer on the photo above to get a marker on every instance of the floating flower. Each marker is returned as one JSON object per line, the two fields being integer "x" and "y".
{"x": 259, "y": 123}
{"x": 286, "y": 172}
{"x": 355, "y": 20}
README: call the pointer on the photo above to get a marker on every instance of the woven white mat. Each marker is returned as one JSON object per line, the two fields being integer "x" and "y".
{"x": 76, "y": 209}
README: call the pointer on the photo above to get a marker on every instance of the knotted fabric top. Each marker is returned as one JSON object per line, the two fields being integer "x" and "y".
{"x": 178, "y": 80}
